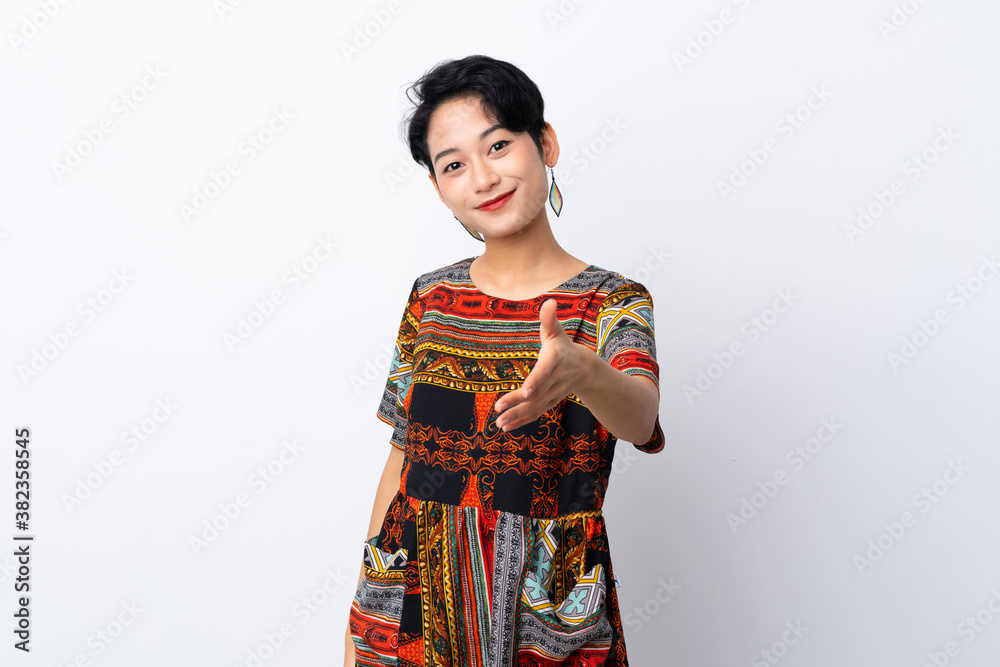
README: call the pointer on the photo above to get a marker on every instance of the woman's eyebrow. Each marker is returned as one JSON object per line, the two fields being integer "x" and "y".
{"x": 482, "y": 136}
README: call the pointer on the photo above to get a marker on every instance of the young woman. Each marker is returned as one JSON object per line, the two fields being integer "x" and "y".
{"x": 515, "y": 372}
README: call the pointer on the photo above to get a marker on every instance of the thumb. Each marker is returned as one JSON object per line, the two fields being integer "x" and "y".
{"x": 549, "y": 325}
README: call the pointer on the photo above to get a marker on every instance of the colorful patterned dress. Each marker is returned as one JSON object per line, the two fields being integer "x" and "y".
{"x": 494, "y": 551}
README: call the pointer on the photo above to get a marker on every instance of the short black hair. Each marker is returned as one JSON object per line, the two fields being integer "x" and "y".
{"x": 506, "y": 94}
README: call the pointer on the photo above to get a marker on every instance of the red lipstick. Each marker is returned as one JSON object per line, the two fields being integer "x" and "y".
{"x": 494, "y": 204}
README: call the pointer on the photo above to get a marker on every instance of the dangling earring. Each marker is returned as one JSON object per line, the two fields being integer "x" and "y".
{"x": 555, "y": 197}
{"x": 475, "y": 235}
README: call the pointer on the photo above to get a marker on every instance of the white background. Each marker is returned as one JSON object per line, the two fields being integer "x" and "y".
{"x": 647, "y": 138}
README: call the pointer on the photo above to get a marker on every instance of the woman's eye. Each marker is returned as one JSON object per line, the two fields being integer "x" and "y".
{"x": 501, "y": 144}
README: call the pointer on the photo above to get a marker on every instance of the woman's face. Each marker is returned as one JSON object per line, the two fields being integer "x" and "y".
{"x": 476, "y": 162}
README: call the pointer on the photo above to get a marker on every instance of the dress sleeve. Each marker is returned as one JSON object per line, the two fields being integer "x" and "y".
{"x": 392, "y": 408}
{"x": 626, "y": 341}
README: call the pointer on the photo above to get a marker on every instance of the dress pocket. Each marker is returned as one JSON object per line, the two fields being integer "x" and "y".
{"x": 556, "y": 623}
{"x": 582, "y": 604}
{"x": 378, "y": 605}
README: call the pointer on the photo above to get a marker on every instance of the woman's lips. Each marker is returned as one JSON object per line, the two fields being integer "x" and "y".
{"x": 494, "y": 205}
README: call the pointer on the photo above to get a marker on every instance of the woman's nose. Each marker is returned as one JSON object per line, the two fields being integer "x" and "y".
{"x": 484, "y": 176}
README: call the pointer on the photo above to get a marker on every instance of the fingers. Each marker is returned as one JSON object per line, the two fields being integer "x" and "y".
{"x": 516, "y": 409}
{"x": 517, "y": 417}
{"x": 534, "y": 384}
{"x": 510, "y": 399}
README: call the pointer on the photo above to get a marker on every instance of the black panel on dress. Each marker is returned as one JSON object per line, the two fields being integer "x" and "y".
{"x": 426, "y": 482}
{"x": 443, "y": 407}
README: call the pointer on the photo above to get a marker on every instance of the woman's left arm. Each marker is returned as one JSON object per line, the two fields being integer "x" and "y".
{"x": 624, "y": 404}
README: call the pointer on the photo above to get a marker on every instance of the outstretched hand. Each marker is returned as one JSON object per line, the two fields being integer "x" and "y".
{"x": 561, "y": 369}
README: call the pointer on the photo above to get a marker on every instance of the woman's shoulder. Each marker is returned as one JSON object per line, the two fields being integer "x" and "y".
{"x": 618, "y": 284}
{"x": 456, "y": 272}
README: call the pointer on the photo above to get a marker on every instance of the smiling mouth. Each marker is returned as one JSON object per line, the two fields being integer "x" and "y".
{"x": 496, "y": 199}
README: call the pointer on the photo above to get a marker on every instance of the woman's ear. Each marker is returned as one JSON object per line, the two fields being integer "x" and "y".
{"x": 550, "y": 144}
{"x": 434, "y": 181}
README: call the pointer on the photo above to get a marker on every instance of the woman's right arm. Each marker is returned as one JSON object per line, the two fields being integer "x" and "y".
{"x": 388, "y": 485}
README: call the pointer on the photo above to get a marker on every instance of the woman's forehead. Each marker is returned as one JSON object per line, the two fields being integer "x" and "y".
{"x": 459, "y": 119}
